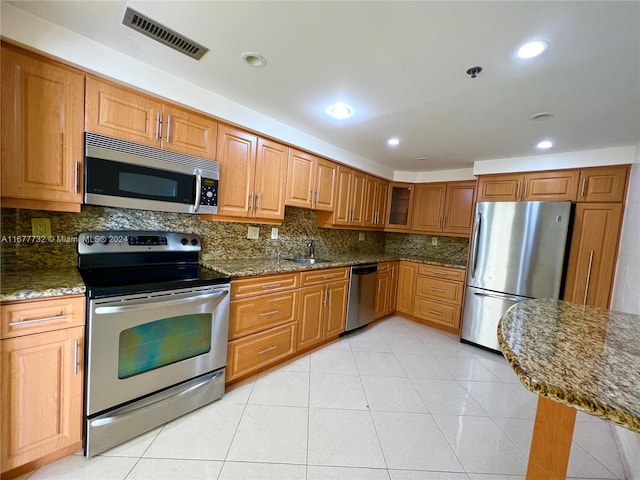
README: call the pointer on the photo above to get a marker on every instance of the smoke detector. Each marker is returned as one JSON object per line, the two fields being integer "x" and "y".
{"x": 474, "y": 71}
{"x": 162, "y": 34}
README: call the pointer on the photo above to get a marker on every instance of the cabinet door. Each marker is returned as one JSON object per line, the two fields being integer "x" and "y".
{"x": 370, "y": 201}
{"x": 428, "y": 204}
{"x": 382, "y": 294}
{"x": 326, "y": 173}
{"x": 270, "y": 179}
{"x": 42, "y": 130}
{"x": 400, "y": 207}
{"x": 458, "y": 208}
{"x": 605, "y": 184}
{"x": 122, "y": 113}
{"x": 406, "y": 286}
{"x": 561, "y": 185}
{"x": 381, "y": 203}
{"x": 312, "y": 304}
{"x": 500, "y": 188}
{"x": 342, "y": 212}
{"x": 336, "y": 308}
{"x": 357, "y": 197}
{"x": 189, "y": 133}
{"x": 592, "y": 258}
{"x": 393, "y": 287}
{"x": 41, "y": 395}
{"x": 237, "y": 157}
{"x": 300, "y": 181}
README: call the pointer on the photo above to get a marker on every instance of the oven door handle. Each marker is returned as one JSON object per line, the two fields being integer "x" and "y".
{"x": 159, "y": 304}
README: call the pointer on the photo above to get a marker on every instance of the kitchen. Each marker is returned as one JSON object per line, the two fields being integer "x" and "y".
{"x": 228, "y": 240}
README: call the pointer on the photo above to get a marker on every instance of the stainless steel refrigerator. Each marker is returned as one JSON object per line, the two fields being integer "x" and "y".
{"x": 517, "y": 253}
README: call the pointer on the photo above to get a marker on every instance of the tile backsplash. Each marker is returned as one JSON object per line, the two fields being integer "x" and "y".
{"x": 220, "y": 240}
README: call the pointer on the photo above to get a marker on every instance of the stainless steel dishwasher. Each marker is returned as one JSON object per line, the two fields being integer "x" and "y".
{"x": 362, "y": 295}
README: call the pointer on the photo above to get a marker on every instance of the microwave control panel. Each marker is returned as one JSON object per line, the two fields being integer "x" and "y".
{"x": 209, "y": 192}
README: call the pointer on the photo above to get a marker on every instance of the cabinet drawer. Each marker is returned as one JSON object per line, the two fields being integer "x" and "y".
{"x": 437, "y": 312}
{"x": 36, "y": 316}
{"x": 441, "y": 272}
{"x": 439, "y": 289}
{"x": 257, "y": 351}
{"x": 259, "y": 313}
{"x": 322, "y": 276}
{"x": 248, "y": 287}
{"x": 384, "y": 267}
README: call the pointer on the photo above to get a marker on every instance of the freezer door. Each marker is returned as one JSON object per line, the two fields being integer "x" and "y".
{"x": 483, "y": 310}
{"x": 519, "y": 247}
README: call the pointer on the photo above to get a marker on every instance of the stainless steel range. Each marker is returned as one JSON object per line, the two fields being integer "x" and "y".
{"x": 157, "y": 327}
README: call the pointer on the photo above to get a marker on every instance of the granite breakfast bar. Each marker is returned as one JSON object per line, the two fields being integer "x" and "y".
{"x": 575, "y": 358}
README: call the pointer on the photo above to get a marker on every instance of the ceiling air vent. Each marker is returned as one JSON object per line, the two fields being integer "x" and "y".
{"x": 162, "y": 34}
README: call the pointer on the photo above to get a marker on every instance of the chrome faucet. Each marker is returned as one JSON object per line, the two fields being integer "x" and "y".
{"x": 312, "y": 248}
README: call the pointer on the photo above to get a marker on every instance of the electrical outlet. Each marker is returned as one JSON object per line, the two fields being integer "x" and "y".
{"x": 274, "y": 233}
{"x": 361, "y": 236}
{"x": 253, "y": 233}
{"x": 434, "y": 240}
{"x": 41, "y": 227}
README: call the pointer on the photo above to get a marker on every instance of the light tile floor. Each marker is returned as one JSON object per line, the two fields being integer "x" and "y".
{"x": 394, "y": 401}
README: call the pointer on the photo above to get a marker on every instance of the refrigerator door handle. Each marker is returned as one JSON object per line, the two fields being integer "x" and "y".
{"x": 476, "y": 241}
{"x": 501, "y": 297}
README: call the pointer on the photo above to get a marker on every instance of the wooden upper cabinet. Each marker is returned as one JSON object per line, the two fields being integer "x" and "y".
{"x": 554, "y": 185}
{"x": 357, "y": 197}
{"x": 428, "y": 204}
{"x": 188, "y": 132}
{"x": 124, "y": 113}
{"x": 560, "y": 185}
{"x": 443, "y": 208}
{"x": 458, "y": 209}
{"x": 375, "y": 202}
{"x": 237, "y": 152}
{"x": 42, "y": 132}
{"x": 603, "y": 184}
{"x": 592, "y": 254}
{"x": 342, "y": 212}
{"x": 325, "y": 175}
{"x": 399, "y": 207}
{"x": 311, "y": 181}
{"x": 270, "y": 179}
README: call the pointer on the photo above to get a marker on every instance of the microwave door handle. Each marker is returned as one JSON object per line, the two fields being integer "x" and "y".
{"x": 196, "y": 205}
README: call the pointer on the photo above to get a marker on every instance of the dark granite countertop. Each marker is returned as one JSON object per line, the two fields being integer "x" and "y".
{"x": 244, "y": 267}
{"x": 584, "y": 357}
{"x": 40, "y": 283}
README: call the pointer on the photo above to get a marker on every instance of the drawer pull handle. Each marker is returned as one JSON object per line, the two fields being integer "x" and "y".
{"x": 330, "y": 276}
{"x": 271, "y": 285}
{"x": 440, "y": 290}
{"x": 268, "y": 349}
{"x": 440, "y": 273}
{"x": 38, "y": 320}
{"x": 266, "y": 314}
{"x": 434, "y": 312}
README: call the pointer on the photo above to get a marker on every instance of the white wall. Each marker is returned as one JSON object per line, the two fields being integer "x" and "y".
{"x": 626, "y": 297}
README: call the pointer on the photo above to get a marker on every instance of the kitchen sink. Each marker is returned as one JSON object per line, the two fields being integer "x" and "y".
{"x": 307, "y": 260}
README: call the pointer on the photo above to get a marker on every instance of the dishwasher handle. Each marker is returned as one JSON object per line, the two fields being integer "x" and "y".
{"x": 364, "y": 270}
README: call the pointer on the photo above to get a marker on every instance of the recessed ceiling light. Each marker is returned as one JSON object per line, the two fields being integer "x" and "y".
{"x": 532, "y": 49}
{"x": 339, "y": 110}
{"x": 541, "y": 116}
{"x": 543, "y": 145}
{"x": 393, "y": 142}
{"x": 254, "y": 59}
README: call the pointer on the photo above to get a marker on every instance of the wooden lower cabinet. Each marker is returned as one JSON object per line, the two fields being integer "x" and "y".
{"x": 387, "y": 289}
{"x": 252, "y": 315}
{"x": 406, "y": 280}
{"x": 257, "y": 351}
{"x": 42, "y": 380}
{"x": 593, "y": 252}
{"x": 438, "y": 296}
{"x": 323, "y": 310}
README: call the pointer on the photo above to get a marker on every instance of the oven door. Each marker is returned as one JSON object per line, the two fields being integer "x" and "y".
{"x": 141, "y": 343}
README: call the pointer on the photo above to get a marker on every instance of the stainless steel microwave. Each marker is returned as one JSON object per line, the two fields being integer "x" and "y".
{"x": 118, "y": 173}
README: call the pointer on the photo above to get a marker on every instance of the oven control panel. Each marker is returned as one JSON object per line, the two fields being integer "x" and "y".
{"x": 137, "y": 241}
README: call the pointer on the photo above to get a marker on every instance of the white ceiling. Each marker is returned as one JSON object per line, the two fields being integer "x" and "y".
{"x": 402, "y": 65}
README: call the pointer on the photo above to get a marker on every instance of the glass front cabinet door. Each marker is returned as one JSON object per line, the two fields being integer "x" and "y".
{"x": 399, "y": 206}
